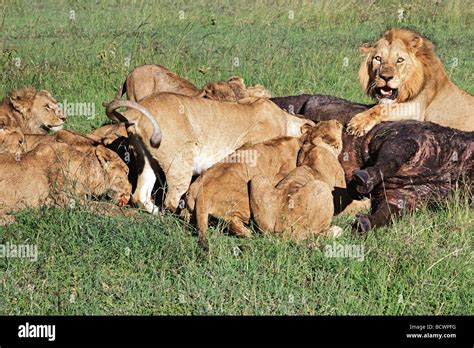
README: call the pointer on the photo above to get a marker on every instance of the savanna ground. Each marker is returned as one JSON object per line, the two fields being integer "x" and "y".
{"x": 422, "y": 264}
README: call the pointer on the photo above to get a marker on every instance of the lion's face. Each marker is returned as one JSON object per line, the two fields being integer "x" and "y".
{"x": 40, "y": 111}
{"x": 11, "y": 140}
{"x": 116, "y": 182}
{"x": 233, "y": 90}
{"x": 392, "y": 70}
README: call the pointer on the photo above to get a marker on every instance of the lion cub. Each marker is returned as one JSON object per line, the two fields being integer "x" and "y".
{"x": 56, "y": 173}
{"x": 221, "y": 191}
{"x": 302, "y": 203}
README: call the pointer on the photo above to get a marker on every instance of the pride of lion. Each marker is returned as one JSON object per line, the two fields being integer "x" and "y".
{"x": 284, "y": 165}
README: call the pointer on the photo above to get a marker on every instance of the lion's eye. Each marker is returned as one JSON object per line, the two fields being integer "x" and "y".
{"x": 378, "y": 58}
{"x": 400, "y": 60}
{"x": 47, "y": 107}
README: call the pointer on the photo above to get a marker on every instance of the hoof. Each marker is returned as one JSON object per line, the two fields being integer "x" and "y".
{"x": 361, "y": 225}
{"x": 363, "y": 181}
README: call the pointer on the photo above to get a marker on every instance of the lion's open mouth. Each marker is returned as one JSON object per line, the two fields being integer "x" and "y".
{"x": 386, "y": 92}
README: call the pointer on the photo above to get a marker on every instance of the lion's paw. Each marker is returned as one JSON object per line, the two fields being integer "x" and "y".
{"x": 361, "y": 124}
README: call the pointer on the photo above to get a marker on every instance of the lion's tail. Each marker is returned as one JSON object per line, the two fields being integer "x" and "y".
{"x": 111, "y": 112}
{"x": 202, "y": 216}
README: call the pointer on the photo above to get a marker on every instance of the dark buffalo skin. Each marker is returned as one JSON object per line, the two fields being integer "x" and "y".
{"x": 320, "y": 107}
{"x": 402, "y": 165}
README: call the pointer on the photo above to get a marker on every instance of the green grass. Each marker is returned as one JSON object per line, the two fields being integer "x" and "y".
{"x": 422, "y": 264}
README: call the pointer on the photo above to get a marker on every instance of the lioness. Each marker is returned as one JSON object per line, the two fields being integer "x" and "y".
{"x": 402, "y": 72}
{"x": 56, "y": 173}
{"x": 146, "y": 80}
{"x": 114, "y": 137}
{"x": 149, "y": 79}
{"x": 33, "y": 112}
{"x": 302, "y": 203}
{"x": 187, "y": 135}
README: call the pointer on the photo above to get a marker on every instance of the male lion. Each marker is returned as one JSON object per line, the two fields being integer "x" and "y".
{"x": 403, "y": 73}
{"x": 187, "y": 135}
{"x": 55, "y": 173}
{"x": 146, "y": 80}
{"x": 33, "y": 112}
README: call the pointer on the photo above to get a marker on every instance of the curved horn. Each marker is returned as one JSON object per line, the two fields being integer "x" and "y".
{"x": 113, "y": 114}
{"x": 155, "y": 139}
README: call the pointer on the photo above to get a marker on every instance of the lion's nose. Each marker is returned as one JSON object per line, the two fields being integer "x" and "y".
{"x": 386, "y": 76}
{"x": 61, "y": 114}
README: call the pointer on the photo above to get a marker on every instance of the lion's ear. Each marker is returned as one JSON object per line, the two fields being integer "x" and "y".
{"x": 48, "y": 94}
{"x": 365, "y": 48}
{"x": 19, "y": 104}
{"x": 237, "y": 79}
{"x": 417, "y": 42}
{"x": 306, "y": 128}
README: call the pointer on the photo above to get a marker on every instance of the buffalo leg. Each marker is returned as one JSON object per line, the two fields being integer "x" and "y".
{"x": 386, "y": 205}
{"x": 391, "y": 156}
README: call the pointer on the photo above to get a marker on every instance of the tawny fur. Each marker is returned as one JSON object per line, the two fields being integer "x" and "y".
{"x": 233, "y": 89}
{"x": 63, "y": 136}
{"x": 221, "y": 191}
{"x": 12, "y": 140}
{"x": 149, "y": 79}
{"x": 301, "y": 204}
{"x": 56, "y": 173}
